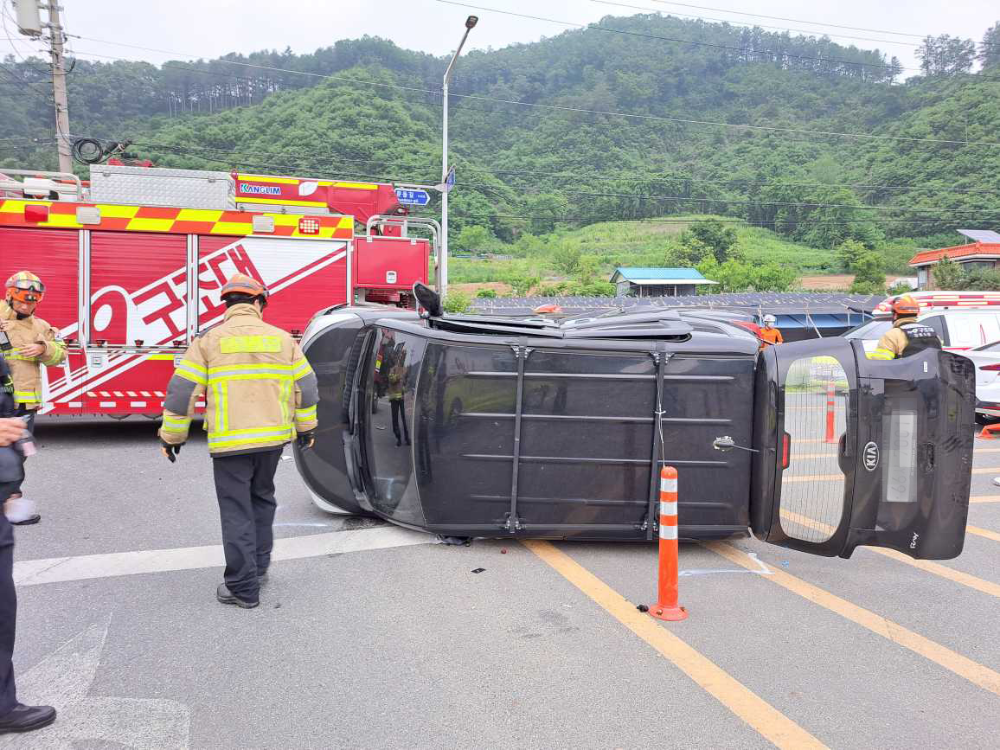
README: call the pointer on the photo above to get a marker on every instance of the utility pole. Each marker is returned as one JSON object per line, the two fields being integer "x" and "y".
{"x": 56, "y": 40}
{"x": 29, "y": 23}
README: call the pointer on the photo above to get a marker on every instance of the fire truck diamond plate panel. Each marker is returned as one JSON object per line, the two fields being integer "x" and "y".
{"x": 187, "y": 188}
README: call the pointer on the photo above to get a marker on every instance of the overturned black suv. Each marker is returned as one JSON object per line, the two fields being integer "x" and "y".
{"x": 499, "y": 427}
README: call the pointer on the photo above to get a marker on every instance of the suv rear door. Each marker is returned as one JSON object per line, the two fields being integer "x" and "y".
{"x": 862, "y": 452}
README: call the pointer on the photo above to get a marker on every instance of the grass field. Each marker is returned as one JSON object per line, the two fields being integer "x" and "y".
{"x": 633, "y": 243}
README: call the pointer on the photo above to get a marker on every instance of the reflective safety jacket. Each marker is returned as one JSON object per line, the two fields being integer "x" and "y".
{"x": 26, "y": 372}
{"x": 259, "y": 388}
{"x": 771, "y": 336}
{"x": 906, "y": 337}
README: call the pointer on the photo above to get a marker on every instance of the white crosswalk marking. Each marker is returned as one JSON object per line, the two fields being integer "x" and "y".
{"x": 59, "y": 569}
{"x": 64, "y": 680}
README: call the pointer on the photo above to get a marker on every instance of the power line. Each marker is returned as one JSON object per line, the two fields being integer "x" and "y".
{"x": 794, "y": 20}
{"x": 629, "y": 196}
{"x": 744, "y": 25}
{"x": 656, "y": 220}
{"x": 741, "y": 50}
{"x": 941, "y": 218}
{"x": 25, "y": 86}
{"x": 578, "y": 110}
{"x": 246, "y": 65}
{"x": 735, "y": 184}
{"x": 763, "y": 128}
{"x": 756, "y": 203}
{"x": 4, "y": 17}
{"x": 732, "y": 183}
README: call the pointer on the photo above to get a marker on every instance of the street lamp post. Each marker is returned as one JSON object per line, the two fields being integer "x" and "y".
{"x": 442, "y": 280}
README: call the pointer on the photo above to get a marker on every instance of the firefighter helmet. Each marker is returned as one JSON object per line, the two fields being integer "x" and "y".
{"x": 25, "y": 287}
{"x": 770, "y": 320}
{"x": 905, "y": 306}
{"x": 240, "y": 283}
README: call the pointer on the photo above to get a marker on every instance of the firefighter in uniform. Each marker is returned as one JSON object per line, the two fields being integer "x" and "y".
{"x": 35, "y": 343}
{"x": 260, "y": 393}
{"x": 906, "y": 336}
{"x": 14, "y": 716}
{"x": 769, "y": 334}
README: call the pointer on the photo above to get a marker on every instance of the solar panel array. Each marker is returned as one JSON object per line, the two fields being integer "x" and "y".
{"x": 980, "y": 235}
{"x": 758, "y": 302}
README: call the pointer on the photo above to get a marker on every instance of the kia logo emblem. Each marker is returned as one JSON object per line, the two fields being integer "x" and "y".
{"x": 871, "y": 456}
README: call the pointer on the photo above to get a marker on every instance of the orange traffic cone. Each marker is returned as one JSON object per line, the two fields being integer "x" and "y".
{"x": 990, "y": 431}
{"x": 666, "y": 607}
{"x": 831, "y": 395}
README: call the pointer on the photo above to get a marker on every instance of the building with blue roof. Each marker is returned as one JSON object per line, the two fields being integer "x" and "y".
{"x": 658, "y": 282}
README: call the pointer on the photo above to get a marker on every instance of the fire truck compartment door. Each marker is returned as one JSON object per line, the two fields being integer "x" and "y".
{"x": 856, "y": 452}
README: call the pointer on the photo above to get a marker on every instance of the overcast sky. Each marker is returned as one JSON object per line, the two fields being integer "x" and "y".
{"x": 209, "y": 28}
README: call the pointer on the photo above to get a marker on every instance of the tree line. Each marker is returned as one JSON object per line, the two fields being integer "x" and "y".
{"x": 718, "y": 123}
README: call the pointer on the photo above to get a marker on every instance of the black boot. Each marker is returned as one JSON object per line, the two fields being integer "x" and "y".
{"x": 27, "y": 718}
{"x": 224, "y": 595}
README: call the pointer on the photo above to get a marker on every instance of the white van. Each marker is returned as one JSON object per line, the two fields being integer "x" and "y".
{"x": 959, "y": 329}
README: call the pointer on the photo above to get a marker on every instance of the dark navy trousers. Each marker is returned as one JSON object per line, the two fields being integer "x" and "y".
{"x": 244, "y": 486}
{"x": 8, "y": 617}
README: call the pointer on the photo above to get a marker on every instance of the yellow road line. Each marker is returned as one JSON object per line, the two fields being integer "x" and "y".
{"x": 979, "y": 584}
{"x": 986, "y": 587}
{"x": 954, "y": 662}
{"x": 985, "y": 533}
{"x": 762, "y": 716}
{"x": 985, "y": 499}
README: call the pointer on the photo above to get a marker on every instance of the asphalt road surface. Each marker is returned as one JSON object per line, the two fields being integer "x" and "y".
{"x": 371, "y": 636}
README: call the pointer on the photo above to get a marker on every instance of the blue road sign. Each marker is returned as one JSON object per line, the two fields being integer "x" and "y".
{"x": 410, "y": 197}
{"x": 449, "y": 181}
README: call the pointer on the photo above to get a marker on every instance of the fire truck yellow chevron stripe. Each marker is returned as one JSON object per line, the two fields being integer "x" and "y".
{"x": 199, "y": 214}
{"x": 151, "y": 225}
{"x": 231, "y": 227}
{"x": 116, "y": 217}
{"x": 64, "y": 221}
{"x": 119, "y": 212}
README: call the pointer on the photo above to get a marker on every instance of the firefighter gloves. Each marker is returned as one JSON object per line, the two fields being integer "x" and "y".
{"x": 306, "y": 440}
{"x": 170, "y": 451}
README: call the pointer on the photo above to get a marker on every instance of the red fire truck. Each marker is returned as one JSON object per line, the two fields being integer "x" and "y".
{"x": 133, "y": 262}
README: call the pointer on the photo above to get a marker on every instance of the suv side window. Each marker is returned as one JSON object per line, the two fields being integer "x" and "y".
{"x": 937, "y": 323}
{"x": 969, "y": 331}
{"x": 990, "y": 327}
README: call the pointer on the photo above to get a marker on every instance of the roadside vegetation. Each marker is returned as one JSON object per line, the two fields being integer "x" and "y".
{"x": 739, "y": 257}
{"x": 589, "y": 150}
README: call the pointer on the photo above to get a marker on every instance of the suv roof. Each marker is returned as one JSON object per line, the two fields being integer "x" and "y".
{"x": 686, "y": 327}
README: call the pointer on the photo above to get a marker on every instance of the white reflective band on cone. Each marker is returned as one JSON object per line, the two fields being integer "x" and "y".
{"x": 668, "y": 532}
{"x": 668, "y": 485}
{"x": 668, "y": 509}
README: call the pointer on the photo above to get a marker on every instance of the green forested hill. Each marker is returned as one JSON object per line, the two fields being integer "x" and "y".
{"x": 740, "y": 125}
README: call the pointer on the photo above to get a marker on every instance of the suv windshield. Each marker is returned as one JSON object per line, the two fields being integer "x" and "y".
{"x": 873, "y": 329}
